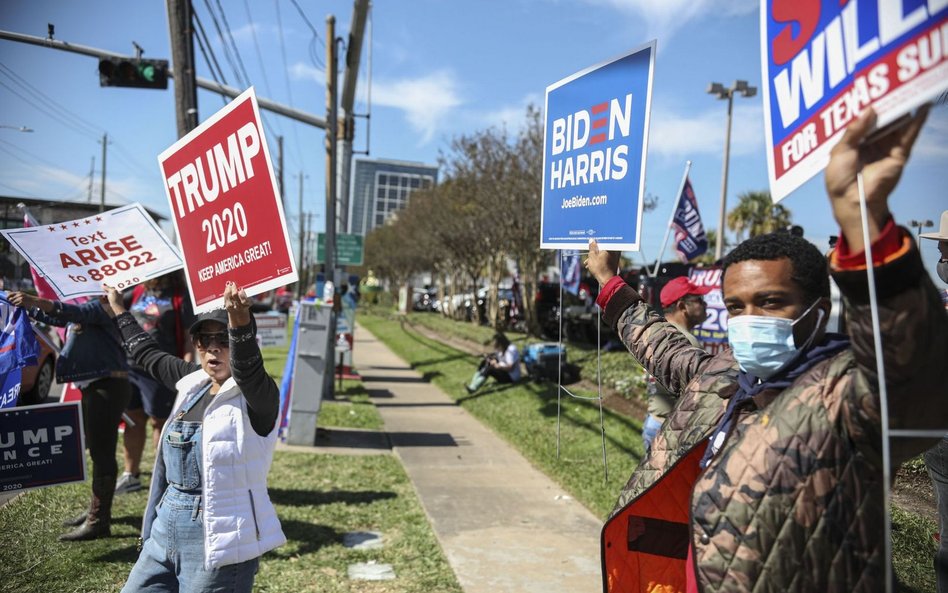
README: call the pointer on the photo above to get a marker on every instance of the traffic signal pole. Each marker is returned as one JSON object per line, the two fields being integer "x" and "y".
{"x": 210, "y": 85}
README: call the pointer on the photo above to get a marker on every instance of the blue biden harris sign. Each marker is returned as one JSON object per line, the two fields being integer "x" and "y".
{"x": 594, "y": 154}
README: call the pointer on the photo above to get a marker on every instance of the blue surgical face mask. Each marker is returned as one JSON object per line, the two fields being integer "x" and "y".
{"x": 763, "y": 345}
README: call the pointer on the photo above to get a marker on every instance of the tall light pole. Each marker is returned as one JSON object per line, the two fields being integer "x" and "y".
{"x": 716, "y": 88}
{"x": 918, "y": 224}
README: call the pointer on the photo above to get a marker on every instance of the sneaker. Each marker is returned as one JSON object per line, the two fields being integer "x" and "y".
{"x": 128, "y": 483}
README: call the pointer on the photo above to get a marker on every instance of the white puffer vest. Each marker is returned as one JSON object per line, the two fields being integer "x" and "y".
{"x": 240, "y": 522}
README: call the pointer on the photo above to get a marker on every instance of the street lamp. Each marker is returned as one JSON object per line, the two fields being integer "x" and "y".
{"x": 716, "y": 88}
{"x": 17, "y": 128}
{"x": 918, "y": 224}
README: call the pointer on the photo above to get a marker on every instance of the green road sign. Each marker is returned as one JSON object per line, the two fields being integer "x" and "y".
{"x": 349, "y": 250}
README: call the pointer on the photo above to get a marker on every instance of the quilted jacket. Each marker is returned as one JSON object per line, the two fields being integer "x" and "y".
{"x": 793, "y": 500}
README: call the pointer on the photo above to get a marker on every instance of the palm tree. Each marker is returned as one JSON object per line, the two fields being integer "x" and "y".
{"x": 756, "y": 214}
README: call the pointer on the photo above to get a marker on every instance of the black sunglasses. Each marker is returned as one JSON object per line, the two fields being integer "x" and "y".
{"x": 207, "y": 340}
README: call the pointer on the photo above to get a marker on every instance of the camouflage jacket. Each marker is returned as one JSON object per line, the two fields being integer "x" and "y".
{"x": 793, "y": 500}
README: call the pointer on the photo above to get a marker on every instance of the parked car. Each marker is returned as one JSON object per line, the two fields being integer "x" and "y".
{"x": 425, "y": 299}
{"x": 37, "y": 379}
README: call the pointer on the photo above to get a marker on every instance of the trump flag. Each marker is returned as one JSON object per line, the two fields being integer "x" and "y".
{"x": 690, "y": 240}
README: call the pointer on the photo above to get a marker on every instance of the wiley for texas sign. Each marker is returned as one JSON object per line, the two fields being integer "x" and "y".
{"x": 594, "y": 154}
{"x": 226, "y": 208}
{"x": 824, "y": 61}
{"x": 119, "y": 247}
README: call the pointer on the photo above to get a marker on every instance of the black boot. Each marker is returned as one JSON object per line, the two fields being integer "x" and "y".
{"x": 77, "y": 520}
{"x": 97, "y": 523}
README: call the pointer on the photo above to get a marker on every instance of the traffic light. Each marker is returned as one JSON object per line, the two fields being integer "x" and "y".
{"x": 131, "y": 72}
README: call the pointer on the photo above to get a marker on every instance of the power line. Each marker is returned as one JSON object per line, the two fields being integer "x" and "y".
{"x": 286, "y": 71}
{"x": 263, "y": 68}
{"x": 227, "y": 51}
{"x": 256, "y": 45}
{"x": 64, "y": 120}
{"x": 230, "y": 36}
{"x": 204, "y": 45}
{"x": 50, "y": 102}
{"x": 28, "y": 153}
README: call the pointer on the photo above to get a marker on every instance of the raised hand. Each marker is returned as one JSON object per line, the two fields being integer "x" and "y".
{"x": 237, "y": 304}
{"x": 881, "y": 160}
{"x": 115, "y": 299}
{"x": 602, "y": 264}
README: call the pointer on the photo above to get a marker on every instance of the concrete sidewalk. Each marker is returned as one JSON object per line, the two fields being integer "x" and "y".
{"x": 504, "y": 526}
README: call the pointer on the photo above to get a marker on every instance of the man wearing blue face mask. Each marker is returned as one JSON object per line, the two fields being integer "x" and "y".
{"x": 767, "y": 474}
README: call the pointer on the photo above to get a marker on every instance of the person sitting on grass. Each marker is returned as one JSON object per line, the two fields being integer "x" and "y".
{"x": 503, "y": 364}
{"x": 209, "y": 517}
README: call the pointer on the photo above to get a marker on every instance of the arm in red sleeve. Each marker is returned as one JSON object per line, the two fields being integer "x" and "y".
{"x": 607, "y": 291}
{"x": 890, "y": 244}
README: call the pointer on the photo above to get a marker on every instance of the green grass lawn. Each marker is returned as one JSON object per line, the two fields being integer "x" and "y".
{"x": 526, "y": 416}
{"x": 318, "y": 498}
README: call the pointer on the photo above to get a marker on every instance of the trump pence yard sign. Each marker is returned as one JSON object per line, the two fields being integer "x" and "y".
{"x": 226, "y": 208}
{"x": 594, "y": 154}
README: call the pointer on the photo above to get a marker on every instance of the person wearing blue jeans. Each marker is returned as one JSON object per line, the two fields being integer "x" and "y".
{"x": 209, "y": 517}
{"x": 683, "y": 306}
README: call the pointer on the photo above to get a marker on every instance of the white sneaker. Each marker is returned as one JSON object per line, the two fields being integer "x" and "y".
{"x": 128, "y": 483}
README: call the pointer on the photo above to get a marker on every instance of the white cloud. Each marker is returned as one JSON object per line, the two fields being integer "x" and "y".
{"x": 663, "y": 17}
{"x": 684, "y": 134}
{"x": 511, "y": 117}
{"x": 427, "y": 101}
{"x": 304, "y": 71}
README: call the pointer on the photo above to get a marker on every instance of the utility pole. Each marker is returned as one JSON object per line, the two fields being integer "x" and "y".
{"x": 280, "y": 165}
{"x": 346, "y": 128}
{"x": 331, "y": 135}
{"x": 301, "y": 263}
{"x": 91, "y": 178}
{"x": 105, "y": 143}
{"x": 182, "y": 59}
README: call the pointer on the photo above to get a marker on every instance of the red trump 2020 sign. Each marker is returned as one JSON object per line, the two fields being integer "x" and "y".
{"x": 225, "y": 206}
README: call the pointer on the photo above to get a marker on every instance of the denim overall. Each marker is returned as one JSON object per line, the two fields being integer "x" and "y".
{"x": 172, "y": 559}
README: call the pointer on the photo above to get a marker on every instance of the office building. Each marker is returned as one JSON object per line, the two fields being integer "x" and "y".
{"x": 383, "y": 187}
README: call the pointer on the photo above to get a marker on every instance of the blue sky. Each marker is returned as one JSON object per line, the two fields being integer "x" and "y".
{"x": 439, "y": 69}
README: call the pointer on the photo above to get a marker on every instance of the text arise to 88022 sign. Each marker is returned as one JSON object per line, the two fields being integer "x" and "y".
{"x": 226, "y": 208}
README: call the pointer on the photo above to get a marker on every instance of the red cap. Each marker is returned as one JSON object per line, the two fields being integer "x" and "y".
{"x": 680, "y": 287}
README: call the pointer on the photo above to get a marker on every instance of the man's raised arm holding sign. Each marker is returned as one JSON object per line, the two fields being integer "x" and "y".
{"x": 774, "y": 449}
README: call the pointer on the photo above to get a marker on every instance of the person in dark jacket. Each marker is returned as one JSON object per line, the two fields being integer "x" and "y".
{"x": 163, "y": 309}
{"x": 94, "y": 361}
{"x": 767, "y": 475}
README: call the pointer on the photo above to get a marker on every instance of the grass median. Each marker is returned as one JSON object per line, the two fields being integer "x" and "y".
{"x": 527, "y": 415}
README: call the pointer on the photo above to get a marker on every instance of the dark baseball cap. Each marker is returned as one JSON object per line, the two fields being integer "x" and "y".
{"x": 681, "y": 287}
{"x": 218, "y": 315}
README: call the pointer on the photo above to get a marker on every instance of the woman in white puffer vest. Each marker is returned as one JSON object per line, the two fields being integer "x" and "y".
{"x": 209, "y": 517}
